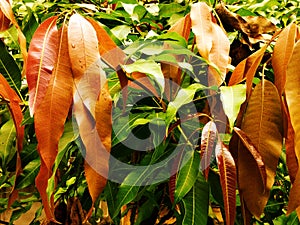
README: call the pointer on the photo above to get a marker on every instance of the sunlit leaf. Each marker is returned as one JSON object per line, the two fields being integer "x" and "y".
{"x": 283, "y": 50}
{"x": 232, "y": 98}
{"x": 196, "y": 203}
{"x": 4, "y": 21}
{"x": 263, "y": 125}
{"x": 292, "y": 99}
{"x": 228, "y": 180}
{"x": 7, "y": 137}
{"x": 42, "y": 56}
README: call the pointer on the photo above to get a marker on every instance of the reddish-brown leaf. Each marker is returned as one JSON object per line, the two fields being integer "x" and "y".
{"x": 51, "y": 115}
{"x": 252, "y": 149}
{"x": 283, "y": 50}
{"x": 292, "y": 93}
{"x": 263, "y": 125}
{"x": 228, "y": 178}
{"x": 42, "y": 56}
{"x": 182, "y": 27}
{"x": 7, "y": 11}
{"x": 13, "y": 103}
{"x": 4, "y": 21}
{"x": 209, "y": 137}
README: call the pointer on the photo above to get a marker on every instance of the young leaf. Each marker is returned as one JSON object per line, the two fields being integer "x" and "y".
{"x": 292, "y": 99}
{"x": 187, "y": 174}
{"x": 263, "y": 125}
{"x": 228, "y": 179}
{"x": 51, "y": 115}
{"x": 196, "y": 203}
{"x": 42, "y": 56}
{"x": 208, "y": 138}
{"x": 232, "y": 98}
{"x": 283, "y": 50}
{"x": 4, "y": 21}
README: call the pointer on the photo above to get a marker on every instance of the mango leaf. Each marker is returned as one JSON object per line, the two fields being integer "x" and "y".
{"x": 228, "y": 179}
{"x": 263, "y": 125}
{"x": 149, "y": 67}
{"x": 283, "y": 50}
{"x": 9, "y": 68}
{"x": 292, "y": 96}
{"x": 4, "y": 21}
{"x": 188, "y": 174}
{"x": 41, "y": 59}
{"x": 252, "y": 149}
{"x": 28, "y": 175}
{"x": 8, "y": 12}
{"x": 211, "y": 41}
{"x": 232, "y": 98}
{"x": 51, "y": 115}
{"x": 7, "y": 137}
{"x": 208, "y": 138}
{"x": 196, "y": 204}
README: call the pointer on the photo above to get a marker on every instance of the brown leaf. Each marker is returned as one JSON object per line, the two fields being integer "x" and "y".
{"x": 228, "y": 178}
{"x": 7, "y": 11}
{"x": 263, "y": 125}
{"x": 51, "y": 115}
{"x": 209, "y": 136}
{"x": 4, "y": 21}
{"x": 41, "y": 60}
{"x": 256, "y": 155}
{"x": 292, "y": 98}
{"x": 283, "y": 50}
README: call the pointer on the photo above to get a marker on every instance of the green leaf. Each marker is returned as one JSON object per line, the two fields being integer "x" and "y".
{"x": 187, "y": 174}
{"x": 196, "y": 204}
{"x": 121, "y": 32}
{"x": 232, "y": 98}
{"x": 30, "y": 25}
{"x": 7, "y": 137}
{"x": 149, "y": 67}
{"x": 9, "y": 69}
{"x": 29, "y": 173}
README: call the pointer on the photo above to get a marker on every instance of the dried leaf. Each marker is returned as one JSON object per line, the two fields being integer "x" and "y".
{"x": 209, "y": 136}
{"x": 263, "y": 125}
{"x": 50, "y": 117}
{"x": 228, "y": 178}
{"x": 283, "y": 50}
{"x": 41, "y": 60}
{"x": 292, "y": 99}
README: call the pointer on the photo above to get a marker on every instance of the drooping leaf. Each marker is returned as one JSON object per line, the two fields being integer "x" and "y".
{"x": 208, "y": 142}
{"x": 51, "y": 115}
{"x": 232, "y": 98}
{"x": 196, "y": 203}
{"x": 4, "y": 21}
{"x": 283, "y": 50}
{"x": 7, "y": 137}
{"x": 263, "y": 125}
{"x": 187, "y": 175}
{"x": 292, "y": 97}
{"x": 228, "y": 180}
{"x": 9, "y": 68}
{"x": 252, "y": 149}
{"x": 42, "y": 57}
{"x": 8, "y": 12}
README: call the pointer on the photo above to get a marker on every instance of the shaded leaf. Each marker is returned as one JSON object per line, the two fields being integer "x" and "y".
{"x": 208, "y": 143}
{"x": 196, "y": 203}
{"x": 232, "y": 98}
{"x": 28, "y": 175}
{"x": 283, "y": 50}
{"x": 263, "y": 125}
{"x": 7, "y": 137}
{"x": 228, "y": 180}
{"x": 42, "y": 56}
{"x": 292, "y": 99}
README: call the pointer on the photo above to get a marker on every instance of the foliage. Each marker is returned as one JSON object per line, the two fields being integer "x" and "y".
{"x": 112, "y": 109}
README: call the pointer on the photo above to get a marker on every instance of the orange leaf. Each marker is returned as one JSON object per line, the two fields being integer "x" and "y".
{"x": 263, "y": 125}
{"x": 4, "y": 21}
{"x": 182, "y": 27}
{"x": 51, "y": 115}
{"x": 208, "y": 138}
{"x": 13, "y": 103}
{"x": 252, "y": 149}
{"x": 41, "y": 59}
{"x": 227, "y": 170}
{"x": 283, "y": 50}
{"x": 7, "y": 11}
{"x": 292, "y": 98}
